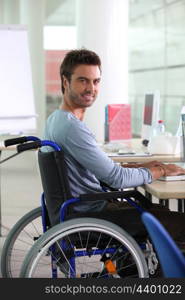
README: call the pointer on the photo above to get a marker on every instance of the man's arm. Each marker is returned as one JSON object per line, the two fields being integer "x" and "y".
{"x": 153, "y": 163}
{"x": 82, "y": 146}
{"x": 158, "y": 169}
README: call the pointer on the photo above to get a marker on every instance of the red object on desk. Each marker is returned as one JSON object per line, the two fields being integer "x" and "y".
{"x": 117, "y": 122}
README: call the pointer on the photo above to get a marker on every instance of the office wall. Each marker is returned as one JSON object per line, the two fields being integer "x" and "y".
{"x": 156, "y": 53}
{"x": 53, "y": 59}
{"x": 102, "y": 26}
{"x": 157, "y": 58}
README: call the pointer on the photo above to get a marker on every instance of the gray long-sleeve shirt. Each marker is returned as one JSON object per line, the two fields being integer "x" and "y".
{"x": 87, "y": 164}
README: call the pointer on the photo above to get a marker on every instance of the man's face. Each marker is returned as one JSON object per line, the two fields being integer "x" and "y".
{"x": 83, "y": 87}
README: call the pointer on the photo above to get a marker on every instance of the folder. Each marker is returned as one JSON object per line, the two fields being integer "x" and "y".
{"x": 117, "y": 122}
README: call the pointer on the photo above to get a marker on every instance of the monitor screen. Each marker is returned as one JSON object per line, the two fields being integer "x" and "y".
{"x": 150, "y": 113}
{"x": 183, "y": 137}
{"x": 148, "y": 109}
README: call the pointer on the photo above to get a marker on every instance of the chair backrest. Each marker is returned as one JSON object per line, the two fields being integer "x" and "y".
{"x": 55, "y": 183}
{"x": 170, "y": 256}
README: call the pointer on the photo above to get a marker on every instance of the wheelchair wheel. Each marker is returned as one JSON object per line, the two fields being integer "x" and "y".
{"x": 18, "y": 242}
{"x": 84, "y": 248}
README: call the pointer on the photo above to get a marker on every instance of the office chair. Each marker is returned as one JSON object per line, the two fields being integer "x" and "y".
{"x": 171, "y": 258}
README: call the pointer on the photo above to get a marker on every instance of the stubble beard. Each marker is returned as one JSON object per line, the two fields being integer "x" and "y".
{"x": 79, "y": 101}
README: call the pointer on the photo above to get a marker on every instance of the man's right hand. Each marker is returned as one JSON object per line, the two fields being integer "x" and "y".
{"x": 173, "y": 170}
{"x": 166, "y": 170}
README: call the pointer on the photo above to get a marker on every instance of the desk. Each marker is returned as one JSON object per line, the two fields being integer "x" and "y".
{"x": 159, "y": 189}
{"x": 136, "y": 145}
{"x": 140, "y": 159}
{"x": 167, "y": 190}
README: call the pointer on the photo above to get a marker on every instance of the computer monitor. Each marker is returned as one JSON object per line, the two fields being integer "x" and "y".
{"x": 179, "y": 130}
{"x": 183, "y": 136}
{"x": 150, "y": 113}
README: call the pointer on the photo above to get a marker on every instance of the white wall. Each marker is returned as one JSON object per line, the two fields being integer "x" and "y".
{"x": 157, "y": 58}
{"x": 102, "y": 26}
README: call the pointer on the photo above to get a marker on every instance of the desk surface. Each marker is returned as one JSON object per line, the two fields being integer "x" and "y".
{"x": 136, "y": 144}
{"x": 2, "y": 145}
{"x": 159, "y": 189}
{"x": 164, "y": 158}
{"x": 166, "y": 190}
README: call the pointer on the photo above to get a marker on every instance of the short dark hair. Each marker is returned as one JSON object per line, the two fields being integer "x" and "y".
{"x": 74, "y": 58}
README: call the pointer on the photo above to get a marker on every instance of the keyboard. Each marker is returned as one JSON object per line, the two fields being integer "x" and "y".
{"x": 172, "y": 178}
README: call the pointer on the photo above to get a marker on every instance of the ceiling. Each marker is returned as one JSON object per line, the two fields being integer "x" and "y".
{"x": 60, "y": 12}
{"x": 63, "y": 12}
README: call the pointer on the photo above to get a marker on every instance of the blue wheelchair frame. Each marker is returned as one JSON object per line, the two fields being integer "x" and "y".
{"x": 64, "y": 206}
{"x": 31, "y": 142}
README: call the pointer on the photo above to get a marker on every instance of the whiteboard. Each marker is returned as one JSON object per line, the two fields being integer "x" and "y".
{"x": 17, "y": 107}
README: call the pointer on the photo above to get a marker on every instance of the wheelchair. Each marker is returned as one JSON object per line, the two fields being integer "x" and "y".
{"x": 81, "y": 245}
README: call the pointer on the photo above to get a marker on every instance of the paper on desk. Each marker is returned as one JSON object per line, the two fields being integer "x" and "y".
{"x": 136, "y": 154}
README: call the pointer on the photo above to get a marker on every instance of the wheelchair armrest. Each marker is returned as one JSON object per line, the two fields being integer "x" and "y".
{"x": 133, "y": 194}
{"x": 65, "y": 206}
{"x": 106, "y": 186}
{"x": 127, "y": 195}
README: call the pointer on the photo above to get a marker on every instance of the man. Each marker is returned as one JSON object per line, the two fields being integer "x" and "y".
{"x": 87, "y": 164}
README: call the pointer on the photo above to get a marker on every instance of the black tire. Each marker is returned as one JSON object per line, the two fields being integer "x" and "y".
{"x": 83, "y": 232}
{"x": 18, "y": 242}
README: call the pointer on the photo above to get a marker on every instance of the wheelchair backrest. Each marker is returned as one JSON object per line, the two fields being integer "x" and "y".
{"x": 55, "y": 183}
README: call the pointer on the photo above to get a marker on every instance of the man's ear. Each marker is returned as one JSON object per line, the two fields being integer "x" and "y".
{"x": 65, "y": 81}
